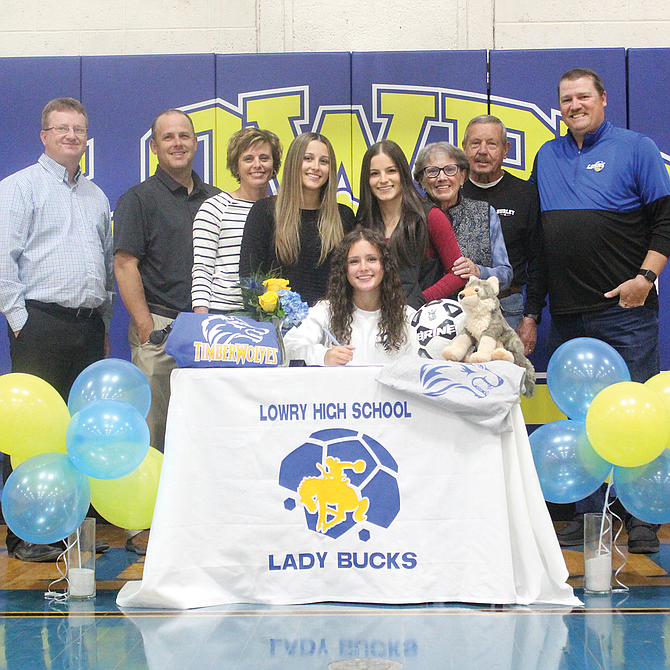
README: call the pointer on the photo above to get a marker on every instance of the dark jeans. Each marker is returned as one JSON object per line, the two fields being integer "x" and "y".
{"x": 632, "y": 332}
{"x": 56, "y": 347}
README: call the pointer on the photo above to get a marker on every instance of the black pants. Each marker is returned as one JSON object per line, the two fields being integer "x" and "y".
{"x": 55, "y": 346}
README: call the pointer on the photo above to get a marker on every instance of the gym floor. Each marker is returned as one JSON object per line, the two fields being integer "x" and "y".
{"x": 627, "y": 629}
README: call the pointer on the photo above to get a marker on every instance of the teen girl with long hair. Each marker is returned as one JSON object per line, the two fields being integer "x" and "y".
{"x": 298, "y": 229}
{"x": 420, "y": 236}
{"x": 364, "y": 319}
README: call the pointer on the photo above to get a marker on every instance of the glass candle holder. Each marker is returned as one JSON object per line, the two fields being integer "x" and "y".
{"x": 81, "y": 561}
{"x": 598, "y": 553}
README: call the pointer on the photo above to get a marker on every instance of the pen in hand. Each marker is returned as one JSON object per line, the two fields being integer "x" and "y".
{"x": 331, "y": 337}
{"x": 340, "y": 355}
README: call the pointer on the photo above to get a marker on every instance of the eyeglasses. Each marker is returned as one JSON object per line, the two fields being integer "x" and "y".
{"x": 64, "y": 130}
{"x": 432, "y": 171}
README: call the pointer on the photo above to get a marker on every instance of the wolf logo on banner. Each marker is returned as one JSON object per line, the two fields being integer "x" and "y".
{"x": 334, "y": 501}
{"x": 475, "y": 378}
{"x": 224, "y": 329}
{"x": 204, "y": 340}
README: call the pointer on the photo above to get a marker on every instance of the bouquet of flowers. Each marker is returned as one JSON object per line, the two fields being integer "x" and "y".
{"x": 269, "y": 298}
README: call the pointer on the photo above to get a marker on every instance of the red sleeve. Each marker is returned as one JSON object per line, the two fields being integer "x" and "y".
{"x": 443, "y": 243}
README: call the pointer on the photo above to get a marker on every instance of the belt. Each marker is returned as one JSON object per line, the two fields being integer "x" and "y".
{"x": 163, "y": 311}
{"x": 508, "y": 292}
{"x": 54, "y": 308}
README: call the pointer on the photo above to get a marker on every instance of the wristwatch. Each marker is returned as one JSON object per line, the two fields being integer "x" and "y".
{"x": 649, "y": 275}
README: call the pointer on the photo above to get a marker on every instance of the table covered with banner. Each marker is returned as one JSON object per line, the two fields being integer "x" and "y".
{"x": 403, "y": 484}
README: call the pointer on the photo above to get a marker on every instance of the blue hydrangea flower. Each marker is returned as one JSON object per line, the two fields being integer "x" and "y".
{"x": 294, "y": 308}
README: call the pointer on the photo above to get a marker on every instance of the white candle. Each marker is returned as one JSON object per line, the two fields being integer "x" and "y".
{"x": 82, "y": 582}
{"x": 598, "y": 573}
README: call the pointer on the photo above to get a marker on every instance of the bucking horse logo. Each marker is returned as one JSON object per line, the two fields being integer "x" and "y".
{"x": 332, "y": 495}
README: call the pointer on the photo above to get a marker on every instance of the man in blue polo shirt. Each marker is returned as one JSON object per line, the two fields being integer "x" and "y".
{"x": 605, "y": 201}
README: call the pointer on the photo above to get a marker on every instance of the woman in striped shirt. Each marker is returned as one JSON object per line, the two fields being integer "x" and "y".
{"x": 254, "y": 158}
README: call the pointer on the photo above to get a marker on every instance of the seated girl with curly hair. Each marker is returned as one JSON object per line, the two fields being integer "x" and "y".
{"x": 364, "y": 319}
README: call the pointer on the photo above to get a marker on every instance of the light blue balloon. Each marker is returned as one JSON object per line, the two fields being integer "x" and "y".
{"x": 645, "y": 491}
{"x": 46, "y": 498}
{"x": 107, "y": 439}
{"x": 579, "y": 370}
{"x": 568, "y": 467}
{"x": 111, "y": 379}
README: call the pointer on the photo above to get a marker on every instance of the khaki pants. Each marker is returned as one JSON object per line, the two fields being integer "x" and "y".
{"x": 157, "y": 366}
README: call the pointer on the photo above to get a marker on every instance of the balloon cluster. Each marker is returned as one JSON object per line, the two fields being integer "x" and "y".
{"x": 94, "y": 450}
{"x": 614, "y": 424}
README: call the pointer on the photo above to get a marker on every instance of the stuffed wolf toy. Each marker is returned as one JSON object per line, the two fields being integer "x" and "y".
{"x": 487, "y": 336}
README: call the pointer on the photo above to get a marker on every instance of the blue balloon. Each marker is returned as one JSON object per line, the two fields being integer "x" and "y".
{"x": 46, "y": 498}
{"x": 107, "y": 439}
{"x": 579, "y": 370}
{"x": 645, "y": 491}
{"x": 111, "y": 379}
{"x": 568, "y": 467}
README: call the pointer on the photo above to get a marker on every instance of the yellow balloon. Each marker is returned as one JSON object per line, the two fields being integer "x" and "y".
{"x": 661, "y": 384}
{"x": 33, "y": 416}
{"x": 128, "y": 502}
{"x": 628, "y": 424}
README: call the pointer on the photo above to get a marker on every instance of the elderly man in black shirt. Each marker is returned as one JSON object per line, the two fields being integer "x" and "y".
{"x": 518, "y": 205}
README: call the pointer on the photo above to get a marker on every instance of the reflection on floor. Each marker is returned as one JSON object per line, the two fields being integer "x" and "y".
{"x": 625, "y": 630}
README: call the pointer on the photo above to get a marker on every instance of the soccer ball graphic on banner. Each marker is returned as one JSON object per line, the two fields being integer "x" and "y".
{"x": 436, "y": 324}
{"x": 342, "y": 478}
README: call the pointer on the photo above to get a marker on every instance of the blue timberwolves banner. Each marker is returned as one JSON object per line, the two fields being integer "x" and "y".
{"x": 222, "y": 341}
{"x": 299, "y": 485}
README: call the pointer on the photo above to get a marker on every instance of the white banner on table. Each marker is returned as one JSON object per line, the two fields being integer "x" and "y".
{"x": 298, "y": 485}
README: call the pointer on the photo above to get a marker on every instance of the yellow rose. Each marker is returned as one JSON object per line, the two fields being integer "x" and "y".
{"x": 276, "y": 284}
{"x": 268, "y": 301}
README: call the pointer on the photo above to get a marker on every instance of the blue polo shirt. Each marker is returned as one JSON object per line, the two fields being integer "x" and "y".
{"x": 604, "y": 206}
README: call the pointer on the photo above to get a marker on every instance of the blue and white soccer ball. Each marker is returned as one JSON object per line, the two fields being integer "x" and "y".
{"x": 436, "y": 324}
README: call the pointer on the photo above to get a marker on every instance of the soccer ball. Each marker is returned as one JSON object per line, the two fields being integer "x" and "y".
{"x": 436, "y": 324}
